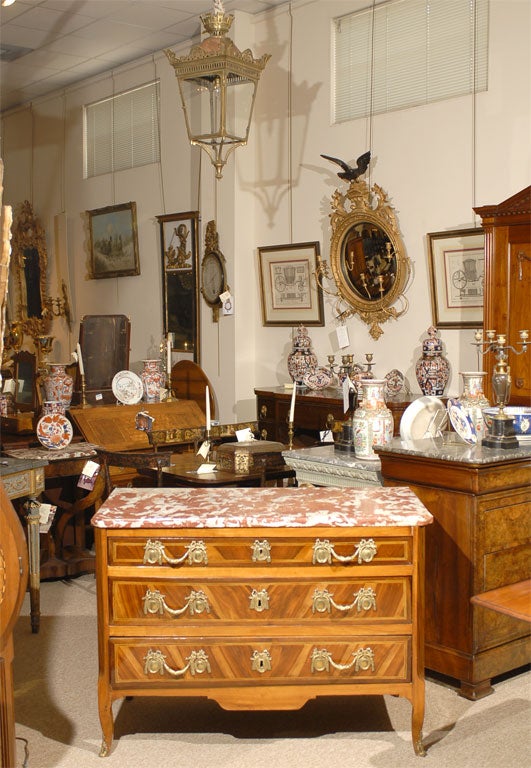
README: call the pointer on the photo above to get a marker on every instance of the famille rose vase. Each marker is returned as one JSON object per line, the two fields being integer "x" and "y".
{"x": 58, "y": 385}
{"x": 152, "y": 380}
{"x": 372, "y": 420}
{"x": 432, "y": 369}
{"x": 473, "y": 399}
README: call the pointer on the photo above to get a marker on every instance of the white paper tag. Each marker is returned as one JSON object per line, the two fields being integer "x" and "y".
{"x": 204, "y": 469}
{"x": 99, "y": 396}
{"x": 203, "y": 449}
{"x": 90, "y": 468}
{"x": 225, "y": 296}
{"x": 228, "y": 304}
{"x": 9, "y": 386}
{"x": 342, "y": 336}
{"x": 242, "y": 435}
{"x": 326, "y": 436}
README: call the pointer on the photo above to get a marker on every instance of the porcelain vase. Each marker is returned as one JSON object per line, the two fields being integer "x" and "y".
{"x": 372, "y": 420}
{"x": 58, "y": 385}
{"x": 301, "y": 360}
{"x": 473, "y": 399}
{"x": 432, "y": 369}
{"x": 152, "y": 380}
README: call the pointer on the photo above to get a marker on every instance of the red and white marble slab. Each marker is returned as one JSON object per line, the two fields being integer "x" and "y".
{"x": 260, "y": 507}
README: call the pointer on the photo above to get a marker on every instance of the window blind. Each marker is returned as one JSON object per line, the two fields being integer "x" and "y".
{"x": 122, "y": 131}
{"x": 413, "y": 52}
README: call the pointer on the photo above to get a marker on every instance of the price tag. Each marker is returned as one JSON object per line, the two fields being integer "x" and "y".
{"x": 205, "y": 469}
{"x": 203, "y": 449}
{"x": 326, "y": 436}
{"x": 89, "y": 473}
{"x": 243, "y": 435}
{"x": 342, "y": 336}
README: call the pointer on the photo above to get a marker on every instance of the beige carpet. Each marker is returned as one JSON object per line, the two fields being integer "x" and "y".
{"x": 56, "y": 714}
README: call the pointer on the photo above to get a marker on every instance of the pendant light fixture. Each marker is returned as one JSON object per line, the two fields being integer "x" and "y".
{"x": 217, "y": 85}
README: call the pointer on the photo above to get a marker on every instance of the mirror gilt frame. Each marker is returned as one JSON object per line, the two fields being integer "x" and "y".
{"x": 30, "y": 264}
{"x": 368, "y": 259}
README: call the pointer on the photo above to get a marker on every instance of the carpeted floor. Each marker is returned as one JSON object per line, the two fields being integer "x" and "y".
{"x": 57, "y": 716}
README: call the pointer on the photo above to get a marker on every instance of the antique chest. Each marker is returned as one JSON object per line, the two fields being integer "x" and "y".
{"x": 249, "y": 456}
{"x": 260, "y": 598}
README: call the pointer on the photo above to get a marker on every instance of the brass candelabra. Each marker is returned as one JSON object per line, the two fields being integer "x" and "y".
{"x": 501, "y": 428}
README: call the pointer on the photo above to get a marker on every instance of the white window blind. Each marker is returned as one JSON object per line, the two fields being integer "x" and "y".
{"x": 413, "y": 52}
{"x": 122, "y": 131}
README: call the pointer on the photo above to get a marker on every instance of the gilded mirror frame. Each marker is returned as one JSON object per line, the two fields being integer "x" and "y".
{"x": 28, "y": 239}
{"x": 358, "y": 210}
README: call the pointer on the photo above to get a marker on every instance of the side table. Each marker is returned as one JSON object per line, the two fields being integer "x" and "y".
{"x": 324, "y": 466}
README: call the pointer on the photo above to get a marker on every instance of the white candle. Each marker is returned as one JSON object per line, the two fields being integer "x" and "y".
{"x": 80, "y": 360}
{"x": 207, "y": 408}
{"x": 292, "y": 406}
{"x": 168, "y": 355}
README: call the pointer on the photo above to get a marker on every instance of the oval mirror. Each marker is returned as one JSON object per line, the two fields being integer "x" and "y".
{"x": 368, "y": 259}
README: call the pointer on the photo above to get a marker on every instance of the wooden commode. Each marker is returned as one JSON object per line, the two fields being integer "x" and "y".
{"x": 260, "y": 598}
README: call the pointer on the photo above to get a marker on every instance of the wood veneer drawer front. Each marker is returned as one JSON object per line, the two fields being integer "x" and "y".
{"x": 204, "y": 603}
{"x": 199, "y": 551}
{"x": 507, "y": 525}
{"x": 194, "y": 665}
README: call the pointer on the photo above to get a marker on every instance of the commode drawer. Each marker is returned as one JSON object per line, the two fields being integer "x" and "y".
{"x": 193, "y": 665}
{"x": 203, "y": 602}
{"x": 198, "y": 551}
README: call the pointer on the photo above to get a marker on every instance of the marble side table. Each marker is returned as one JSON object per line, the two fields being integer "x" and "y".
{"x": 324, "y": 466}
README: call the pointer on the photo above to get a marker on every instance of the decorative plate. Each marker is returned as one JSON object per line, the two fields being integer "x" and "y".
{"x": 394, "y": 382}
{"x": 54, "y": 431}
{"x": 461, "y": 422}
{"x": 320, "y": 378}
{"x": 425, "y": 417}
{"x": 127, "y": 387}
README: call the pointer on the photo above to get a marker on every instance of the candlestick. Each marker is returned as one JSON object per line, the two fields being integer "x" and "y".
{"x": 80, "y": 360}
{"x": 292, "y": 404}
{"x": 207, "y": 409}
{"x": 168, "y": 354}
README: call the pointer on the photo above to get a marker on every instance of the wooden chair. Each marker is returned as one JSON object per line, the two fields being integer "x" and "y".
{"x": 189, "y": 382}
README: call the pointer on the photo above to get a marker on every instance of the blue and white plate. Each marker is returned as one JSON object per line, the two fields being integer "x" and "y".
{"x": 461, "y": 422}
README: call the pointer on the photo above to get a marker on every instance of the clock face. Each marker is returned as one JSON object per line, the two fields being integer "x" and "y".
{"x": 213, "y": 278}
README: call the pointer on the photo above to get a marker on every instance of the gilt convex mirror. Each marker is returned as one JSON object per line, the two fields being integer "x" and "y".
{"x": 367, "y": 256}
{"x": 30, "y": 265}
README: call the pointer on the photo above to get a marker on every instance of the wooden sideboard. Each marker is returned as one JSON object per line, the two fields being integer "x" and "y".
{"x": 260, "y": 598}
{"x": 480, "y": 499}
{"x": 315, "y": 411}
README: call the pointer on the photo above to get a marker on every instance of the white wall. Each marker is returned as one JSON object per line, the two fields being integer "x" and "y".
{"x": 278, "y": 189}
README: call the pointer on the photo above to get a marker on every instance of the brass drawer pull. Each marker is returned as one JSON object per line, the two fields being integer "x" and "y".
{"x": 261, "y": 551}
{"x": 155, "y": 603}
{"x": 362, "y": 659}
{"x": 155, "y": 554}
{"x": 263, "y": 411}
{"x": 365, "y": 599}
{"x": 323, "y": 551}
{"x": 261, "y": 661}
{"x": 259, "y": 600}
{"x": 155, "y": 664}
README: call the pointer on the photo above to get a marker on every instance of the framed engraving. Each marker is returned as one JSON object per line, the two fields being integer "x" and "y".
{"x": 289, "y": 291}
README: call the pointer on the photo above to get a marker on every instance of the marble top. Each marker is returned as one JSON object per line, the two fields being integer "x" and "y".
{"x": 72, "y": 451}
{"x": 327, "y": 454}
{"x": 10, "y": 465}
{"x": 260, "y": 507}
{"x": 450, "y": 447}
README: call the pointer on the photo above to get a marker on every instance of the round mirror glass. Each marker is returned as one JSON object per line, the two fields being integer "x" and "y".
{"x": 368, "y": 261}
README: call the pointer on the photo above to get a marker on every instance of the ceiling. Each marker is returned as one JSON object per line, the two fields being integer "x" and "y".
{"x": 46, "y": 45}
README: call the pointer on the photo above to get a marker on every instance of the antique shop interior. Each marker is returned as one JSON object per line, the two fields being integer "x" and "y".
{"x": 265, "y": 389}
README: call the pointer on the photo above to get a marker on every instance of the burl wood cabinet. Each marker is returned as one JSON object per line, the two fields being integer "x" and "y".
{"x": 480, "y": 499}
{"x": 260, "y": 598}
{"x": 507, "y": 300}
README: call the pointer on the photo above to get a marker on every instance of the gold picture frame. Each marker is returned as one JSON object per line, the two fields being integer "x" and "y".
{"x": 457, "y": 276}
{"x": 289, "y": 292}
{"x": 113, "y": 241}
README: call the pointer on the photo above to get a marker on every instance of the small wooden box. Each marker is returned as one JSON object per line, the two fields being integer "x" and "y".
{"x": 249, "y": 456}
